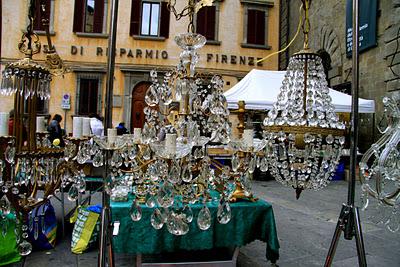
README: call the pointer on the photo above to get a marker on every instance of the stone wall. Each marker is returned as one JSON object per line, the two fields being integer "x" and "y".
{"x": 328, "y": 22}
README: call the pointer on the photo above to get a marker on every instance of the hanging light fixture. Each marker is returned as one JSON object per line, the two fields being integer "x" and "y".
{"x": 305, "y": 137}
{"x": 180, "y": 164}
{"x": 167, "y": 163}
{"x": 380, "y": 170}
{"x": 27, "y": 165}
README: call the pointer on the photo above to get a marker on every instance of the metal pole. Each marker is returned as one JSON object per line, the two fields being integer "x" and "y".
{"x": 354, "y": 107}
{"x": 110, "y": 66}
{"x": 105, "y": 237}
{"x": 349, "y": 219}
{"x": 348, "y": 231}
{"x": 362, "y": 260}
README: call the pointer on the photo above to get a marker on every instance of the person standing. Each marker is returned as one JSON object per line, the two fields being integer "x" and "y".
{"x": 96, "y": 125}
{"x": 121, "y": 129}
{"x": 55, "y": 130}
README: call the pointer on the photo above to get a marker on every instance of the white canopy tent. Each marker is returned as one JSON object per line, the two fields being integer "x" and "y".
{"x": 260, "y": 88}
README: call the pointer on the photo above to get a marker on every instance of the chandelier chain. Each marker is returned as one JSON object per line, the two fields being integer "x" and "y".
{"x": 306, "y": 23}
{"x": 188, "y": 10}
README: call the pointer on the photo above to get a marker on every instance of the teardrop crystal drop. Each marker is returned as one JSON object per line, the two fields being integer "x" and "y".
{"x": 98, "y": 160}
{"x": 264, "y": 164}
{"x": 174, "y": 174}
{"x": 235, "y": 162}
{"x": 36, "y": 228}
{"x": 246, "y": 183}
{"x": 4, "y": 228}
{"x": 151, "y": 201}
{"x": 5, "y": 206}
{"x": 146, "y": 153}
{"x": 187, "y": 174}
{"x": 176, "y": 225}
{"x": 187, "y": 214}
{"x": 81, "y": 184}
{"x": 252, "y": 164}
{"x": 224, "y": 213}
{"x": 9, "y": 154}
{"x": 135, "y": 212}
{"x": 165, "y": 196}
{"x": 198, "y": 153}
{"x": 25, "y": 248}
{"x": 153, "y": 172}
{"x": 132, "y": 151}
{"x": 151, "y": 96}
{"x": 166, "y": 96}
{"x": 156, "y": 219}
{"x": 204, "y": 218}
{"x": 73, "y": 193}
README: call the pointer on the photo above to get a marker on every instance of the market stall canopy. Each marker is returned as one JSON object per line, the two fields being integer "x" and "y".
{"x": 259, "y": 89}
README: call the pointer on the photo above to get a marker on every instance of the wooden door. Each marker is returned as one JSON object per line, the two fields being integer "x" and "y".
{"x": 138, "y": 104}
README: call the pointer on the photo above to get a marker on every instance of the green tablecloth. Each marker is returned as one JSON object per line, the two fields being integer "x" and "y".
{"x": 250, "y": 221}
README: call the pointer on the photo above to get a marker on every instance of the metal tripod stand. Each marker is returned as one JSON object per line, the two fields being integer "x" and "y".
{"x": 349, "y": 218}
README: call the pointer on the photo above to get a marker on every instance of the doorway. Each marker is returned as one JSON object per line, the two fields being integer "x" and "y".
{"x": 138, "y": 104}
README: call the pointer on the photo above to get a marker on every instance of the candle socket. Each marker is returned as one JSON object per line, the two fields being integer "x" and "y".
{"x": 248, "y": 137}
{"x": 137, "y": 135}
{"x": 111, "y": 135}
{"x": 4, "y": 117}
{"x": 86, "y": 127}
{"x": 184, "y": 105}
{"x": 170, "y": 143}
{"x": 40, "y": 125}
{"x": 77, "y": 123}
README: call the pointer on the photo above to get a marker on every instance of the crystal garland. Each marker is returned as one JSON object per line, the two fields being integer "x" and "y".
{"x": 303, "y": 132}
{"x": 380, "y": 170}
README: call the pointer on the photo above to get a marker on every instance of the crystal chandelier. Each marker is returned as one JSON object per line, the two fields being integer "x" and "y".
{"x": 166, "y": 164}
{"x": 380, "y": 170}
{"x": 304, "y": 135}
{"x": 179, "y": 164}
{"x": 28, "y": 166}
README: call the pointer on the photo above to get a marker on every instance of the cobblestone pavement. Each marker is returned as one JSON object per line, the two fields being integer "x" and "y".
{"x": 305, "y": 229}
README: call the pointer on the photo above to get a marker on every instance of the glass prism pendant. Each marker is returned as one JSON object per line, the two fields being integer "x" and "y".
{"x": 204, "y": 218}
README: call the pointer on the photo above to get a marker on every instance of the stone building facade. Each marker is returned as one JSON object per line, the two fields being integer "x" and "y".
{"x": 145, "y": 41}
{"x": 379, "y": 66}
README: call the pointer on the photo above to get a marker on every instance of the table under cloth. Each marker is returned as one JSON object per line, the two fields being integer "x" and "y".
{"x": 250, "y": 221}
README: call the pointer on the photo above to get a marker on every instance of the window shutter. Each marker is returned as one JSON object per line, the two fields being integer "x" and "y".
{"x": 201, "y": 21}
{"x": 164, "y": 22}
{"x": 135, "y": 17}
{"x": 38, "y": 20}
{"x": 39, "y": 15}
{"x": 260, "y": 28}
{"x": 79, "y": 12}
{"x": 210, "y": 22}
{"x": 256, "y": 27}
{"x": 251, "y": 26}
{"x": 98, "y": 16}
{"x": 205, "y": 24}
